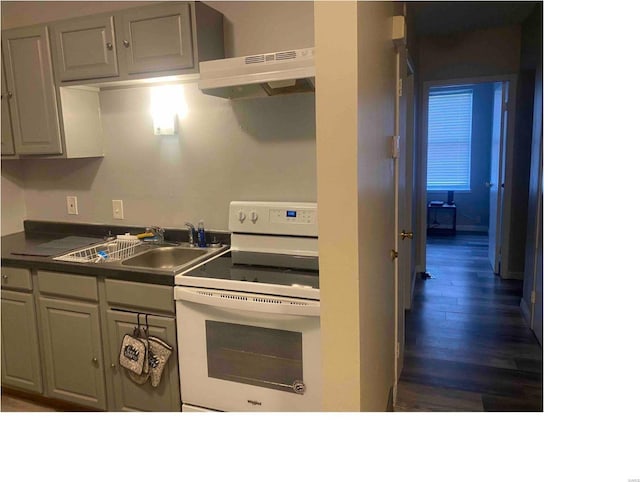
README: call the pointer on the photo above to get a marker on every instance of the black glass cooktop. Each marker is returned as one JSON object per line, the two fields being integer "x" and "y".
{"x": 278, "y": 269}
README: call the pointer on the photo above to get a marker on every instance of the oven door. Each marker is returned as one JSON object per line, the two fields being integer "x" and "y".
{"x": 241, "y": 351}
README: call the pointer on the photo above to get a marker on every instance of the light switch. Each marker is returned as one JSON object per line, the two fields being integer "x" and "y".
{"x": 118, "y": 209}
{"x": 72, "y": 205}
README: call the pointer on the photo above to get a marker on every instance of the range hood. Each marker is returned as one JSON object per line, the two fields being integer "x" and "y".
{"x": 262, "y": 75}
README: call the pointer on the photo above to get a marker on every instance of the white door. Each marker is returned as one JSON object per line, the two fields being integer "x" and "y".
{"x": 408, "y": 139}
{"x": 495, "y": 183}
{"x": 403, "y": 182}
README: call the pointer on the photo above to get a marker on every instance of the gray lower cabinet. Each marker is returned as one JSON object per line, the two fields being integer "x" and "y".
{"x": 62, "y": 333}
{"x": 128, "y": 395}
{"x": 73, "y": 351}
{"x": 20, "y": 350}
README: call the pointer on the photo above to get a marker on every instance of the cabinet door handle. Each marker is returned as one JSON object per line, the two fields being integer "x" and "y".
{"x": 125, "y": 43}
{"x": 113, "y": 365}
{"x": 109, "y": 46}
{"x": 5, "y": 277}
{"x": 9, "y": 95}
{"x": 94, "y": 360}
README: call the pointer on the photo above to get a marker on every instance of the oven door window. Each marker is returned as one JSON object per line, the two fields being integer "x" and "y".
{"x": 252, "y": 355}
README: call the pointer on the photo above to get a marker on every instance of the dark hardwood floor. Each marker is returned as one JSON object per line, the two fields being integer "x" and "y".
{"x": 467, "y": 347}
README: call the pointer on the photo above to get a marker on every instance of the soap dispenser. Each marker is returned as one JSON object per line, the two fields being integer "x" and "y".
{"x": 202, "y": 237}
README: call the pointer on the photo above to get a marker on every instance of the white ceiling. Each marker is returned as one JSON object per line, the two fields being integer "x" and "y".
{"x": 438, "y": 18}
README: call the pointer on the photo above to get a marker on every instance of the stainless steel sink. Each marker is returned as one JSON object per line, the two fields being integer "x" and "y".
{"x": 168, "y": 257}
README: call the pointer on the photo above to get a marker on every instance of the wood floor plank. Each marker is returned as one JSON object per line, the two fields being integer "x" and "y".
{"x": 465, "y": 335}
{"x": 10, "y": 403}
{"x": 418, "y": 398}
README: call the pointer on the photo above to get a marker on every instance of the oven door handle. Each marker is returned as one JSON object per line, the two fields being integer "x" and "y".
{"x": 248, "y": 302}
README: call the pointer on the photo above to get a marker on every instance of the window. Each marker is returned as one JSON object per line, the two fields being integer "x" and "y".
{"x": 449, "y": 139}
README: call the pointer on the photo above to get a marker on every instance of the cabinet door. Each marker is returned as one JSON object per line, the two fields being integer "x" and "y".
{"x": 7, "y": 135}
{"x": 73, "y": 351}
{"x": 130, "y": 396}
{"x": 20, "y": 352}
{"x": 155, "y": 38}
{"x": 84, "y": 48}
{"x": 32, "y": 97}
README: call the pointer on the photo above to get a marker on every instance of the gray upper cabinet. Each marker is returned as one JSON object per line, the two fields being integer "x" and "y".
{"x": 84, "y": 48}
{"x": 155, "y": 38}
{"x": 30, "y": 91}
{"x": 7, "y": 135}
{"x": 165, "y": 38}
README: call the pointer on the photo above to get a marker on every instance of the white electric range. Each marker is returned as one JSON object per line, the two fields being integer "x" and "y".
{"x": 249, "y": 319}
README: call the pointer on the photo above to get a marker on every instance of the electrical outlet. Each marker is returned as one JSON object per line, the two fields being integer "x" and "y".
{"x": 72, "y": 205}
{"x": 118, "y": 209}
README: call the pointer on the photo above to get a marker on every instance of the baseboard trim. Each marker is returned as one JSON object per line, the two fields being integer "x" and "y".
{"x": 471, "y": 228}
{"x": 526, "y": 313}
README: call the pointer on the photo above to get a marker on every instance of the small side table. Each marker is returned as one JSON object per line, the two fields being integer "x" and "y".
{"x": 434, "y": 226}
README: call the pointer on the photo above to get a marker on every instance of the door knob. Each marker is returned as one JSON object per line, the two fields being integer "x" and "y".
{"x": 125, "y": 43}
{"x": 405, "y": 235}
{"x": 488, "y": 184}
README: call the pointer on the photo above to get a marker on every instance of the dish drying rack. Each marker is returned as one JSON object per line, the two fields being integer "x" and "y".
{"x": 120, "y": 249}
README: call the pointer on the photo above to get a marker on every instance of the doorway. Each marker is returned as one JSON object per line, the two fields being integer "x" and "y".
{"x": 466, "y": 151}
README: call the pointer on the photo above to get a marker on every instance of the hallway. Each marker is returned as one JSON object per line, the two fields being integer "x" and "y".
{"x": 467, "y": 347}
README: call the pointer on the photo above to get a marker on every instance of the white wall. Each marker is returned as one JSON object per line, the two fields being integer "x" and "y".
{"x": 376, "y": 210}
{"x": 355, "y": 108}
{"x": 260, "y": 149}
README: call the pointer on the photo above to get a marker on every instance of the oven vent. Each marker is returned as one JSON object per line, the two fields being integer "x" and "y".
{"x": 267, "y": 300}
{"x": 234, "y": 297}
{"x": 252, "y": 299}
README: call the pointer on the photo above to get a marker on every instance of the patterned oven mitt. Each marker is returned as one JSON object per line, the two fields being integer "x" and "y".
{"x": 159, "y": 353}
{"x": 143, "y": 376}
{"x": 133, "y": 353}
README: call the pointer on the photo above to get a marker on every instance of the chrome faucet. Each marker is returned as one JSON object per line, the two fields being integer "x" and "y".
{"x": 158, "y": 232}
{"x": 192, "y": 234}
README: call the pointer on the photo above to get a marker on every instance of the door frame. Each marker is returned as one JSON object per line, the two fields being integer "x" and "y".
{"x": 423, "y": 124}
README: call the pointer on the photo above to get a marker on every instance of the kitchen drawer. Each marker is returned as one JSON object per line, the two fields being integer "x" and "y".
{"x": 16, "y": 278}
{"x": 140, "y": 296}
{"x": 68, "y": 285}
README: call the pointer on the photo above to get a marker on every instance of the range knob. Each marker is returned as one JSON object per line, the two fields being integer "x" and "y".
{"x": 254, "y": 217}
{"x": 241, "y": 216}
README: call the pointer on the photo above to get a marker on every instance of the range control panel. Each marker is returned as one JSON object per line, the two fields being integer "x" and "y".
{"x": 284, "y": 218}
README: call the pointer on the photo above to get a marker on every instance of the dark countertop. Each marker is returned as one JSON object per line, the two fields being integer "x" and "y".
{"x": 27, "y": 240}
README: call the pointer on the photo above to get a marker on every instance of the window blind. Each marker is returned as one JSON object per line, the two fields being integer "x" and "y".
{"x": 449, "y": 140}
